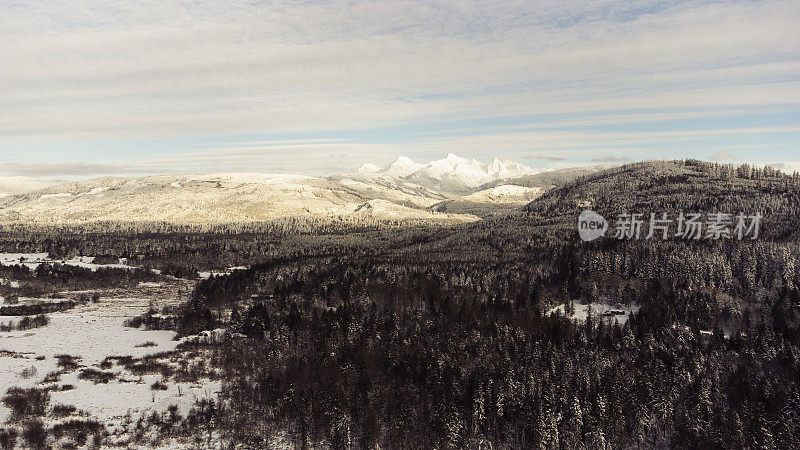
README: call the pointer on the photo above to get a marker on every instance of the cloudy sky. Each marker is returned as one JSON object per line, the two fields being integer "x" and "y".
{"x": 93, "y": 88}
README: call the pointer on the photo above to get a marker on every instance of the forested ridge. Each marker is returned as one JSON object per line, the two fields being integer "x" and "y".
{"x": 446, "y": 340}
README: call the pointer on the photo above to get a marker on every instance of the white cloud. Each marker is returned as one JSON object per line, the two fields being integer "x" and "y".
{"x": 86, "y": 71}
{"x": 79, "y": 71}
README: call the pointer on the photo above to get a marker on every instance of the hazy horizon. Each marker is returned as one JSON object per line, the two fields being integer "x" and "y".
{"x": 560, "y": 165}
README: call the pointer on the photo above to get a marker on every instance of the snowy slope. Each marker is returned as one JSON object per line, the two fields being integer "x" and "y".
{"x": 388, "y": 210}
{"x": 506, "y": 193}
{"x": 214, "y": 198}
{"x": 549, "y": 178}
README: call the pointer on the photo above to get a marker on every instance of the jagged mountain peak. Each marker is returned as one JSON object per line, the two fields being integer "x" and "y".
{"x": 453, "y": 172}
{"x": 368, "y": 168}
{"x": 402, "y": 167}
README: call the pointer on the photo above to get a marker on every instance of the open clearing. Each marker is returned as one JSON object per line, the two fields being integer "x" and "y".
{"x": 93, "y": 332}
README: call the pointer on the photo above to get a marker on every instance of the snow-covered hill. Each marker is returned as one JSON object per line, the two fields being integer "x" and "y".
{"x": 487, "y": 202}
{"x": 403, "y": 190}
{"x": 218, "y": 198}
{"x": 549, "y": 178}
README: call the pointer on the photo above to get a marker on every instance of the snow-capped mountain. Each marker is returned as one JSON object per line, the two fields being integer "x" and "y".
{"x": 402, "y": 167}
{"x": 368, "y": 168}
{"x": 453, "y": 173}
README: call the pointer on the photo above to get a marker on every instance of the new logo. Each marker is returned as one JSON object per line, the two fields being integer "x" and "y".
{"x": 591, "y": 225}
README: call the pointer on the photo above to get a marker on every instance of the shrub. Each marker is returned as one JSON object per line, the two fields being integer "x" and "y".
{"x": 122, "y": 360}
{"x": 35, "y": 434}
{"x": 68, "y": 363}
{"x": 63, "y": 410}
{"x": 28, "y": 372}
{"x": 78, "y": 430}
{"x": 105, "y": 259}
{"x": 38, "y": 321}
{"x": 149, "y": 366}
{"x": 97, "y": 376}
{"x": 158, "y": 386}
{"x": 24, "y": 403}
{"x": 8, "y": 438}
{"x": 52, "y": 377}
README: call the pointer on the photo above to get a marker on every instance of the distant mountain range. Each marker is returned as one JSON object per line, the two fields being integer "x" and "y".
{"x": 451, "y": 174}
{"x": 449, "y": 189}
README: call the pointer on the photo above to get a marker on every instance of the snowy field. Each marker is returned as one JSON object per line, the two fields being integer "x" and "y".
{"x": 33, "y": 260}
{"x": 93, "y": 332}
{"x": 606, "y": 310}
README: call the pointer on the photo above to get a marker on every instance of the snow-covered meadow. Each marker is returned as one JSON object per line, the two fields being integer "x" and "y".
{"x": 33, "y": 260}
{"x": 93, "y": 332}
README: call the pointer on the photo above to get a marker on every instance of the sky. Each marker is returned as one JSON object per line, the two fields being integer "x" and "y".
{"x": 141, "y": 87}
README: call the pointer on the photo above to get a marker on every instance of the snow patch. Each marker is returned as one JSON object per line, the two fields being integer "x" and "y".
{"x": 98, "y": 190}
{"x": 506, "y": 193}
{"x": 58, "y": 195}
{"x": 607, "y": 311}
